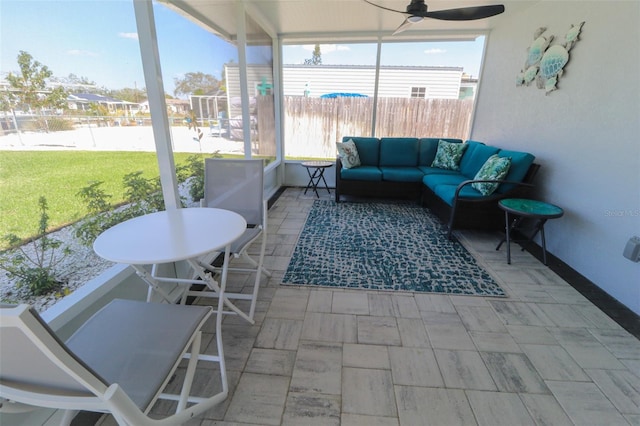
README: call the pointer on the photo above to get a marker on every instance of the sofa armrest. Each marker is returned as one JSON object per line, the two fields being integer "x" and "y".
{"x": 495, "y": 195}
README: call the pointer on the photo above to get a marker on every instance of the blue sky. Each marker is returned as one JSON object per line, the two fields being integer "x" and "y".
{"x": 97, "y": 39}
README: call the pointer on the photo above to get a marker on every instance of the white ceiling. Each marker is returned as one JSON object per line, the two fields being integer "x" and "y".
{"x": 327, "y": 20}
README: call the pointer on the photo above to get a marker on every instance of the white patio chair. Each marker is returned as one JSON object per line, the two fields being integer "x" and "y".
{"x": 237, "y": 185}
{"x": 118, "y": 362}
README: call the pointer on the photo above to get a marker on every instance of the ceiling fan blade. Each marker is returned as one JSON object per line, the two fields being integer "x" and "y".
{"x": 405, "y": 25}
{"x": 382, "y": 7}
{"x": 466, "y": 13}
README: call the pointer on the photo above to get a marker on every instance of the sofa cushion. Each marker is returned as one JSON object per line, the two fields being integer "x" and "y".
{"x": 427, "y": 170}
{"x": 428, "y": 148}
{"x": 434, "y": 180}
{"x": 520, "y": 163}
{"x": 348, "y": 154}
{"x": 448, "y": 155}
{"x": 401, "y": 174}
{"x": 368, "y": 149}
{"x": 371, "y": 173}
{"x": 448, "y": 192}
{"x": 494, "y": 168}
{"x": 399, "y": 152}
{"x": 475, "y": 157}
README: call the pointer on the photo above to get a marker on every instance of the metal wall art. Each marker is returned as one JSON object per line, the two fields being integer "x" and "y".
{"x": 545, "y": 63}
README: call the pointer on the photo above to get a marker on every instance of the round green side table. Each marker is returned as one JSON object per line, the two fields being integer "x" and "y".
{"x": 527, "y": 209}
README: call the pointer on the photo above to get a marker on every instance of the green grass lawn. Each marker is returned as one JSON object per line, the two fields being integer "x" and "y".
{"x": 59, "y": 176}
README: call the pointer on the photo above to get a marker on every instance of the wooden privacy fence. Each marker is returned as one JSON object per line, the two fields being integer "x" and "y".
{"x": 314, "y": 125}
{"x": 266, "y": 143}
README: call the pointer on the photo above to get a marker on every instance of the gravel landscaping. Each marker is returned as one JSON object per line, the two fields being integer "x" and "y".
{"x": 75, "y": 270}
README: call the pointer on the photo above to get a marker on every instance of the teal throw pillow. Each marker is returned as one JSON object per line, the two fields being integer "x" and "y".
{"x": 448, "y": 155}
{"x": 348, "y": 154}
{"x": 495, "y": 168}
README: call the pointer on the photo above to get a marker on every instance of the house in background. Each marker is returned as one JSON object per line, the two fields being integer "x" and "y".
{"x": 259, "y": 82}
{"x": 83, "y": 101}
{"x": 174, "y": 106}
{"x": 318, "y": 80}
{"x": 395, "y": 81}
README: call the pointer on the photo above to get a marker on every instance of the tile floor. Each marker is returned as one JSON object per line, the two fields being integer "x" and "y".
{"x": 316, "y": 356}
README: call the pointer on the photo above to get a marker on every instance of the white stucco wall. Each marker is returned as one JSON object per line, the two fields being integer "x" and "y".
{"x": 586, "y": 135}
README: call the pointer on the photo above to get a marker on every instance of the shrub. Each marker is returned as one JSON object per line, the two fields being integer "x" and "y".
{"x": 101, "y": 216}
{"x": 143, "y": 196}
{"x": 194, "y": 169}
{"x": 36, "y": 271}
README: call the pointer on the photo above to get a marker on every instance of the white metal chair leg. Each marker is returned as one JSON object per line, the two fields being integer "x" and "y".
{"x": 190, "y": 373}
{"x": 259, "y": 265}
{"x": 68, "y": 417}
{"x": 213, "y": 284}
{"x": 259, "y": 271}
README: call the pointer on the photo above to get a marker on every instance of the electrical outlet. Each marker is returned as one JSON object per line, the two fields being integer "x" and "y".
{"x": 632, "y": 249}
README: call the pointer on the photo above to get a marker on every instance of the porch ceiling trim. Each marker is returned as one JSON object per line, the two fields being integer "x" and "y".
{"x": 340, "y": 19}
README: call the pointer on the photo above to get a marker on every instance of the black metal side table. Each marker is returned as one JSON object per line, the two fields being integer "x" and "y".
{"x": 531, "y": 209}
{"x": 315, "y": 170}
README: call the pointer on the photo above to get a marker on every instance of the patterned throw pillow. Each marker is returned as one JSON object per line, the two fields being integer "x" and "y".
{"x": 448, "y": 155}
{"x": 494, "y": 168}
{"x": 348, "y": 154}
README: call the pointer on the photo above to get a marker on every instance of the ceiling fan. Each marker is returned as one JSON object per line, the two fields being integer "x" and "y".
{"x": 417, "y": 11}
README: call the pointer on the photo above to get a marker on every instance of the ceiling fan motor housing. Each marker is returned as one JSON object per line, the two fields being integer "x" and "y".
{"x": 417, "y": 7}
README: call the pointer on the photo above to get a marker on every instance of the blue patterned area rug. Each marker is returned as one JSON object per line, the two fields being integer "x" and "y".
{"x": 379, "y": 246}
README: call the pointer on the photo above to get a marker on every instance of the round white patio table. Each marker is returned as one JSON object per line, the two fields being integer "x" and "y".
{"x": 172, "y": 236}
{"x": 169, "y": 236}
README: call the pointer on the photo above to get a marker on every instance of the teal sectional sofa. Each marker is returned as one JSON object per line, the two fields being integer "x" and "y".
{"x": 404, "y": 168}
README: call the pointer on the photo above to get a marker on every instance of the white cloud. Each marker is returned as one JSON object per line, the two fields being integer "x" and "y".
{"x": 434, "y": 51}
{"x": 128, "y": 35}
{"x": 77, "y": 52}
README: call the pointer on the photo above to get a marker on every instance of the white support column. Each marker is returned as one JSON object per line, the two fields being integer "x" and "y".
{"x": 277, "y": 98}
{"x": 374, "y": 117}
{"x": 157, "y": 106}
{"x": 244, "y": 90}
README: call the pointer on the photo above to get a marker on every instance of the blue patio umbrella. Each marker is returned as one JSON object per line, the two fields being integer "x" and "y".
{"x": 343, "y": 95}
